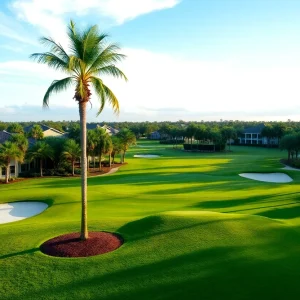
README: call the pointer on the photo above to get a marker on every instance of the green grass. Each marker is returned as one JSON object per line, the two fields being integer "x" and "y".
{"x": 193, "y": 229}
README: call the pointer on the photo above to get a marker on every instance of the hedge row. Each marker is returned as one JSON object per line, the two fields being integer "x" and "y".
{"x": 204, "y": 147}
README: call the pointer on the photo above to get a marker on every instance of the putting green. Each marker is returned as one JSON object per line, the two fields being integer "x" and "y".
{"x": 192, "y": 227}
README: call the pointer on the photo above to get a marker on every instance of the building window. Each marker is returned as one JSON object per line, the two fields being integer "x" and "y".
{"x": 12, "y": 169}
{"x": 3, "y": 171}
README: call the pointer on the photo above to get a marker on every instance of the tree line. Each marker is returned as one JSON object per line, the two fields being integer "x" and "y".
{"x": 62, "y": 152}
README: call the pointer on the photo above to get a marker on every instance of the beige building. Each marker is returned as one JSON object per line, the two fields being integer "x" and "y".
{"x": 47, "y": 131}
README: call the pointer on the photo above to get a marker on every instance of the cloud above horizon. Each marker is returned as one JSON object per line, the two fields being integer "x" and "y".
{"x": 49, "y": 16}
{"x": 163, "y": 86}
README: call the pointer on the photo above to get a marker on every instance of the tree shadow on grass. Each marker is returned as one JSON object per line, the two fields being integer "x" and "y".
{"x": 259, "y": 200}
{"x": 282, "y": 213}
{"x": 221, "y": 272}
{"x": 28, "y": 251}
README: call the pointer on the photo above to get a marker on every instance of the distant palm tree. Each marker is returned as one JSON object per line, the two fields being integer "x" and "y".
{"x": 108, "y": 149}
{"x": 15, "y": 128}
{"x": 9, "y": 151}
{"x": 71, "y": 152}
{"x": 126, "y": 138}
{"x": 91, "y": 143}
{"x": 36, "y": 132}
{"x": 89, "y": 58}
{"x": 116, "y": 147}
{"x": 40, "y": 151}
{"x": 21, "y": 141}
{"x": 101, "y": 145}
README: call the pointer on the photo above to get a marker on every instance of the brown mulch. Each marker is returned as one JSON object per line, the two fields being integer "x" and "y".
{"x": 70, "y": 245}
{"x": 92, "y": 172}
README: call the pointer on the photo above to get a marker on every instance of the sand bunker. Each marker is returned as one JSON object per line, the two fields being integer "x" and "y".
{"x": 268, "y": 177}
{"x": 16, "y": 211}
{"x": 146, "y": 155}
{"x": 290, "y": 168}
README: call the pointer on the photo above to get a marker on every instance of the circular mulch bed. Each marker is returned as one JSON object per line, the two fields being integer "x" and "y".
{"x": 70, "y": 245}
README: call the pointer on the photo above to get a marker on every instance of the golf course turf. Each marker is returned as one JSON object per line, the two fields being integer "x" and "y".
{"x": 192, "y": 229}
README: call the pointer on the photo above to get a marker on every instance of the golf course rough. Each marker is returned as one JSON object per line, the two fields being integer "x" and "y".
{"x": 192, "y": 229}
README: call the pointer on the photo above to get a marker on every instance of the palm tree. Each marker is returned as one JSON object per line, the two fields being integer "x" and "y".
{"x": 15, "y": 128}
{"x": 127, "y": 138}
{"x": 109, "y": 149}
{"x": 9, "y": 151}
{"x": 89, "y": 58}
{"x": 71, "y": 152}
{"x": 116, "y": 147}
{"x": 91, "y": 144}
{"x": 41, "y": 151}
{"x": 21, "y": 141}
{"x": 36, "y": 132}
{"x": 101, "y": 143}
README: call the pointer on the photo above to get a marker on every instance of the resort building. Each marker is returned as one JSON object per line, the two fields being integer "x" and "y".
{"x": 47, "y": 131}
{"x": 253, "y": 136}
{"x": 110, "y": 130}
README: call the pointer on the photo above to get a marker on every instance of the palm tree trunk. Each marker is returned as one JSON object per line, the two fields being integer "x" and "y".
{"x": 73, "y": 167}
{"x": 109, "y": 159}
{"x": 41, "y": 167}
{"x": 82, "y": 113}
{"x": 7, "y": 173}
{"x": 113, "y": 157}
{"x": 100, "y": 158}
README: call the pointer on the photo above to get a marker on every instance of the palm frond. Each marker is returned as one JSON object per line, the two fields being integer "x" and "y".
{"x": 55, "y": 87}
{"x": 55, "y": 48}
{"x": 92, "y": 44}
{"x": 111, "y": 70}
{"x": 74, "y": 64}
{"x": 75, "y": 37}
{"x": 107, "y": 56}
{"x": 104, "y": 93}
{"x": 51, "y": 60}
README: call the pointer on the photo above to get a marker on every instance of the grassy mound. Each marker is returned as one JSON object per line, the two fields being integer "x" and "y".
{"x": 193, "y": 229}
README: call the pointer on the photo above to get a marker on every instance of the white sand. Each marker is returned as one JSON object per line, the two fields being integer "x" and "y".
{"x": 16, "y": 211}
{"x": 146, "y": 155}
{"x": 290, "y": 168}
{"x": 268, "y": 177}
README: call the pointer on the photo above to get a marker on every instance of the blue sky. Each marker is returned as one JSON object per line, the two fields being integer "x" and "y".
{"x": 188, "y": 59}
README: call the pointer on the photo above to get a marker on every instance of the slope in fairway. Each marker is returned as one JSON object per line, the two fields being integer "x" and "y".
{"x": 192, "y": 228}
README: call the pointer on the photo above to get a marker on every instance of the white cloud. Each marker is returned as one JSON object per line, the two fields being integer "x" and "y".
{"x": 198, "y": 90}
{"x": 12, "y": 48}
{"x": 157, "y": 81}
{"x": 9, "y": 28}
{"x": 49, "y": 15}
{"x": 122, "y": 10}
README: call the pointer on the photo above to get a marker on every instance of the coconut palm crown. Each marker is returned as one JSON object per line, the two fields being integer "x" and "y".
{"x": 89, "y": 58}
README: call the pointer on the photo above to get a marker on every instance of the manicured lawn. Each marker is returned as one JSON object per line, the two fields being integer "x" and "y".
{"x": 193, "y": 229}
